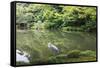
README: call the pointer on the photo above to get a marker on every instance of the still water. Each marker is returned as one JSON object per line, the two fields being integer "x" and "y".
{"x": 36, "y": 42}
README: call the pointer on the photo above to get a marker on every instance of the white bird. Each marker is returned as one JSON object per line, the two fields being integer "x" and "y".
{"x": 19, "y": 52}
{"x": 22, "y": 56}
{"x": 53, "y": 48}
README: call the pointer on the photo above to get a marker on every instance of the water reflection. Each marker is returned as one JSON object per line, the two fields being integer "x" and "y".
{"x": 38, "y": 44}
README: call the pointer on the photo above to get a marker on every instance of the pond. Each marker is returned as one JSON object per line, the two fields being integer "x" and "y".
{"x": 36, "y": 43}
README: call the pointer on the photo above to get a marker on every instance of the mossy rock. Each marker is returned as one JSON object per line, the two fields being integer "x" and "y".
{"x": 88, "y": 53}
{"x": 73, "y": 54}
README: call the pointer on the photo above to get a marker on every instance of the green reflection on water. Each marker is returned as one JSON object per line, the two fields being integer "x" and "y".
{"x": 36, "y": 42}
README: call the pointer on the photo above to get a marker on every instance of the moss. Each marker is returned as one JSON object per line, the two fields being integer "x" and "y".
{"x": 73, "y": 54}
{"x": 88, "y": 53}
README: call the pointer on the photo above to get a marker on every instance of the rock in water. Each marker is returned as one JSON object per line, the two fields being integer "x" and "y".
{"x": 21, "y": 57}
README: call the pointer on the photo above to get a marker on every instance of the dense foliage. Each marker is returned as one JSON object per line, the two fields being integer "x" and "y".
{"x": 57, "y": 16}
